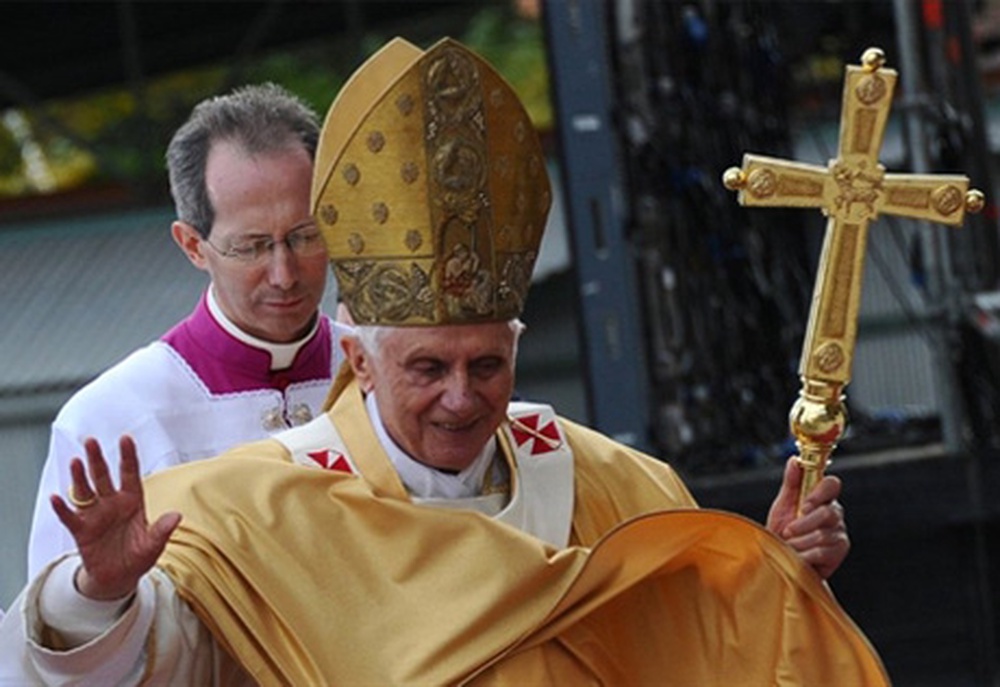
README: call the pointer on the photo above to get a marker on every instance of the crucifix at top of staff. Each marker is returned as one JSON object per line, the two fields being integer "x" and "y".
{"x": 852, "y": 190}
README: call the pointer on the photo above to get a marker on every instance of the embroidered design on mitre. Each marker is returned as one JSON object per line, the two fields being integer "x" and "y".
{"x": 433, "y": 206}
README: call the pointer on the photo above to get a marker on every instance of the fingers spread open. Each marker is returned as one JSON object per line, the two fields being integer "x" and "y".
{"x": 98, "y": 468}
{"x": 67, "y": 516}
{"x": 131, "y": 480}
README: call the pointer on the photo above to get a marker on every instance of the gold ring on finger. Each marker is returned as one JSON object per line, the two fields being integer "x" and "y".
{"x": 78, "y": 502}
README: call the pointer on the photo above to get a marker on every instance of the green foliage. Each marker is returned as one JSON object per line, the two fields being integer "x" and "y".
{"x": 312, "y": 74}
{"x": 10, "y": 154}
{"x": 114, "y": 136}
{"x": 516, "y": 48}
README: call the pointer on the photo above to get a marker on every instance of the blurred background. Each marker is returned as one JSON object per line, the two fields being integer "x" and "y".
{"x": 662, "y": 313}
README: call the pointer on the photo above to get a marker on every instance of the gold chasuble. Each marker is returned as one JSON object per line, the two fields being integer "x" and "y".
{"x": 309, "y": 576}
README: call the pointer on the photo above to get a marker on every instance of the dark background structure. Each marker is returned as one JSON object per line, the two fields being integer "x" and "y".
{"x": 713, "y": 299}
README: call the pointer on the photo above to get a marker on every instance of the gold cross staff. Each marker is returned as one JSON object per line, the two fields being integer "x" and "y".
{"x": 852, "y": 190}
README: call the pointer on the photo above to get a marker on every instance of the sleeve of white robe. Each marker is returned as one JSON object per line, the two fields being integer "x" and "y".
{"x": 154, "y": 638}
{"x": 49, "y": 539}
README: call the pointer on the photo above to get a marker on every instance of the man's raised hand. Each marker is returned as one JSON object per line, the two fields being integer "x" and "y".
{"x": 117, "y": 545}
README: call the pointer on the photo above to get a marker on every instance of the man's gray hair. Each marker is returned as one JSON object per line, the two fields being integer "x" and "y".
{"x": 371, "y": 336}
{"x": 261, "y": 118}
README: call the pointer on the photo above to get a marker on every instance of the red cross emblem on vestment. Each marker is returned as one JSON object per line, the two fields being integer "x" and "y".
{"x": 537, "y": 434}
{"x": 329, "y": 459}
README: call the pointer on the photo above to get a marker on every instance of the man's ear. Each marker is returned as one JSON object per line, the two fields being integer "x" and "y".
{"x": 189, "y": 241}
{"x": 359, "y": 361}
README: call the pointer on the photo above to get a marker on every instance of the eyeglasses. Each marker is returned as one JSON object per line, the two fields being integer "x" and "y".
{"x": 302, "y": 242}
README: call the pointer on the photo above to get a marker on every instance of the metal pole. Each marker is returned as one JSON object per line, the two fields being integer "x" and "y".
{"x": 941, "y": 295}
{"x": 945, "y": 298}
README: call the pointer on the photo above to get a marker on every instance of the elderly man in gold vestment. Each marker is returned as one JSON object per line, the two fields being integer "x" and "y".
{"x": 424, "y": 530}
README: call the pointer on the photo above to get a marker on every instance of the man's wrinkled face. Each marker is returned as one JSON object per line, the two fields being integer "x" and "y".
{"x": 441, "y": 391}
{"x": 265, "y": 196}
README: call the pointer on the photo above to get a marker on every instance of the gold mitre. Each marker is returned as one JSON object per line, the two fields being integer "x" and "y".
{"x": 430, "y": 189}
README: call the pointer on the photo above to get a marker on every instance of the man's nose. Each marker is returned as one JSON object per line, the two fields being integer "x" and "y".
{"x": 282, "y": 266}
{"x": 458, "y": 394}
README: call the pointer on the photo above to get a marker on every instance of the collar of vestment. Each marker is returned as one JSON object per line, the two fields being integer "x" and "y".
{"x": 226, "y": 363}
{"x": 531, "y": 441}
{"x": 423, "y": 481}
{"x": 282, "y": 354}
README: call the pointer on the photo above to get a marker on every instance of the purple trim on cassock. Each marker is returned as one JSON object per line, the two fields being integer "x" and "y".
{"x": 227, "y": 365}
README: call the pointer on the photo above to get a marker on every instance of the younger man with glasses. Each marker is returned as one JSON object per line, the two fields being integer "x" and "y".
{"x": 255, "y": 356}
